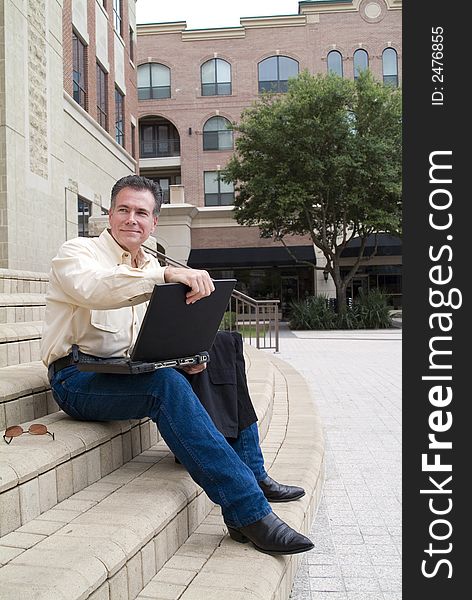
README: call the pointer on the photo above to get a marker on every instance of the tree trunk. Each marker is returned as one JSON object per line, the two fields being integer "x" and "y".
{"x": 341, "y": 304}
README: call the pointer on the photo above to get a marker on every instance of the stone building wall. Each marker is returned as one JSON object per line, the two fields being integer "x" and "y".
{"x": 51, "y": 149}
{"x": 31, "y": 205}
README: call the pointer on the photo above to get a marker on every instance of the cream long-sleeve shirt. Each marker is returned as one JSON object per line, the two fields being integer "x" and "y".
{"x": 96, "y": 299}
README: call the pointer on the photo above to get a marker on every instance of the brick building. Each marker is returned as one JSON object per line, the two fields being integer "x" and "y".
{"x": 192, "y": 82}
{"x": 68, "y": 118}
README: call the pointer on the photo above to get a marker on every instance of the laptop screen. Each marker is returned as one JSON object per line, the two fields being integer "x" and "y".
{"x": 173, "y": 329}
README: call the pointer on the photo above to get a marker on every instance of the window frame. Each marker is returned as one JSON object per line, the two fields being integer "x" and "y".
{"x": 79, "y": 70}
{"x": 151, "y": 88}
{"x": 131, "y": 44}
{"x": 390, "y": 79}
{"x": 281, "y": 83}
{"x": 119, "y": 117}
{"x": 219, "y": 194}
{"x": 359, "y": 52}
{"x": 216, "y": 133}
{"x": 83, "y": 217}
{"x": 331, "y": 70}
{"x": 102, "y": 100}
{"x": 118, "y": 16}
{"x": 216, "y": 83}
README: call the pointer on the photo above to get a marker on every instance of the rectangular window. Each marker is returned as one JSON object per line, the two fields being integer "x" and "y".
{"x": 102, "y": 96}
{"x": 217, "y": 192}
{"x": 133, "y": 141}
{"x": 117, "y": 18}
{"x": 119, "y": 118}
{"x": 131, "y": 45}
{"x": 84, "y": 211}
{"x": 79, "y": 71}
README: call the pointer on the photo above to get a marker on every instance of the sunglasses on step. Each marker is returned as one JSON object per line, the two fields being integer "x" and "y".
{"x": 17, "y": 430}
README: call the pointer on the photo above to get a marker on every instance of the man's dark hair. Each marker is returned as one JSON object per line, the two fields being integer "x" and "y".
{"x": 138, "y": 183}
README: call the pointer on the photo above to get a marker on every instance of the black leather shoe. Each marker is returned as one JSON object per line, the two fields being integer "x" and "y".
{"x": 278, "y": 492}
{"x": 271, "y": 535}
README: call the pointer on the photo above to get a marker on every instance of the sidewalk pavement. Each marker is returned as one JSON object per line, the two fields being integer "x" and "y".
{"x": 355, "y": 378}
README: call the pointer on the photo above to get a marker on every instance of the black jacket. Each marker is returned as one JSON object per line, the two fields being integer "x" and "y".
{"x": 222, "y": 387}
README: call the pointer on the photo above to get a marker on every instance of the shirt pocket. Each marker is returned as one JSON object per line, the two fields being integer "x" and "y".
{"x": 112, "y": 321}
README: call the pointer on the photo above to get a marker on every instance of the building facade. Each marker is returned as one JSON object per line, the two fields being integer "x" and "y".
{"x": 68, "y": 118}
{"x": 193, "y": 83}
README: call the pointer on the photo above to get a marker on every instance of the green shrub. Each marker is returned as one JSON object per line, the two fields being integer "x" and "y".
{"x": 228, "y": 322}
{"x": 372, "y": 310}
{"x": 369, "y": 311}
{"x": 312, "y": 313}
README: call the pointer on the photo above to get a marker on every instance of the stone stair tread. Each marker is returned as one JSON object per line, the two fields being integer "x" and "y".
{"x": 18, "y": 274}
{"x": 26, "y": 330}
{"x": 20, "y": 380}
{"x": 29, "y": 456}
{"x": 22, "y": 299}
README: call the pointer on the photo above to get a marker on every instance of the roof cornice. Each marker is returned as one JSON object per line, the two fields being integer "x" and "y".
{"x": 274, "y": 21}
{"x": 160, "y": 28}
{"x": 327, "y": 6}
{"x": 220, "y": 33}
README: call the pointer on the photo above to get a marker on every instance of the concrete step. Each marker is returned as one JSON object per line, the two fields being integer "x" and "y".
{"x": 14, "y": 281}
{"x": 96, "y": 512}
{"x": 22, "y": 307}
{"x": 20, "y": 342}
{"x": 25, "y": 394}
{"x": 211, "y": 566}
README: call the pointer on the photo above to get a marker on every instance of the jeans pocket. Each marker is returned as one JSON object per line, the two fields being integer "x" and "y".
{"x": 63, "y": 397}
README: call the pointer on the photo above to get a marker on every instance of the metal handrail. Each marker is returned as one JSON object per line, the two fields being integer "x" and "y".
{"x": 256, "y": 320}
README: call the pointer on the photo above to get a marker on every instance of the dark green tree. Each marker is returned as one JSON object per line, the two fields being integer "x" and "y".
{"x": 324, "y": 160}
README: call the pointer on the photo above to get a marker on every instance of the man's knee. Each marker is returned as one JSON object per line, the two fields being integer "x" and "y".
{"x": 173, "y": 379}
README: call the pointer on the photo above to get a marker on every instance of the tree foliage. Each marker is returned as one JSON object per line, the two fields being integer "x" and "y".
{"x": 324, "y": 160}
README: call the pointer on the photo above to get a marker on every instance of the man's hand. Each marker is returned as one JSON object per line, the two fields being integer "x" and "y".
{"x": 194, "y": 369}
{"x": 198, "y": 281}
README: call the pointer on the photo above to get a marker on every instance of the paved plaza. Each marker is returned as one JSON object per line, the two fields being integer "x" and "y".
{"x": 355, "y": 378}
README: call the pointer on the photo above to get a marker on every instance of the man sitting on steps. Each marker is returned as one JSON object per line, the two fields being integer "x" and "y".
{"x": 97, "y": 290}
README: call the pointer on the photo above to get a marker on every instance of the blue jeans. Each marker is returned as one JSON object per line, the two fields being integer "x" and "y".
{"x": 167, "y": 398}
{"x": 248, "y": 448}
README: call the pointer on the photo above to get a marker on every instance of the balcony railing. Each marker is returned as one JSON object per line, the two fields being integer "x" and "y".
{"x": 256, "y": 320}
{"x": 159, "y": 148}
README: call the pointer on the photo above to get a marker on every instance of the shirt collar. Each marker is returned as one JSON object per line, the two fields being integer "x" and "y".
{"x": 121, "y": 255}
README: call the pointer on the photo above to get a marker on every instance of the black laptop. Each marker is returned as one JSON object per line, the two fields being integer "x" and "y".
{"x": 173, "y": 333}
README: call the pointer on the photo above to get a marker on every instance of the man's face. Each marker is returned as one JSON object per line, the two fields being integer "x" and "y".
{"x": 131, "y": 219}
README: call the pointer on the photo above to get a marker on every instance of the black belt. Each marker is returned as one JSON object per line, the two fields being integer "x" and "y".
{"x": 67, "y": 361}
{"x": 60, "y": 363}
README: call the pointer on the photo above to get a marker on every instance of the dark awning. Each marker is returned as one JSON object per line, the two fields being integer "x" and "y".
{"x": 229, "y": 258}
{"x": 387, "y": 245}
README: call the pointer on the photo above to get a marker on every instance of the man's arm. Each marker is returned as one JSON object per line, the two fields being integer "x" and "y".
{"x": 199, "y": 281}
{"x": 77, "y": 277}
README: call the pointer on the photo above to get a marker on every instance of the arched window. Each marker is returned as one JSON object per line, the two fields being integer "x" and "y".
{"x": 216, "y": 77}
{"x": 361, "y": 62}
{"x": 217, "y": 135}
{"x": 390, "y": 66}
{"x": 274, "y": 73}
{"x": 335, "y": 63}
{"x": 153, "y": 81}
